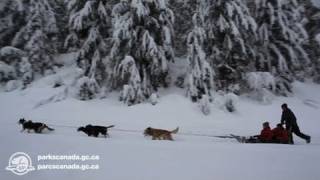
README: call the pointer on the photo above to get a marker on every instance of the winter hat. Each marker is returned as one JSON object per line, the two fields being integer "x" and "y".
{"x": 284, "y": 105}
{"x": 279, "y": 125}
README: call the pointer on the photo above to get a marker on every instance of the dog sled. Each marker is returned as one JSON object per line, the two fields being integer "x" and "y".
{"x": 248, "y": 139}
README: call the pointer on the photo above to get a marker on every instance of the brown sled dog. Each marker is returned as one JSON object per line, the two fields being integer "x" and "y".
{"x": 160, "y": 134}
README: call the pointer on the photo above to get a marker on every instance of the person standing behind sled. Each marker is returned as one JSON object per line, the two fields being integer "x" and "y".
{"x": 291, "y": 124}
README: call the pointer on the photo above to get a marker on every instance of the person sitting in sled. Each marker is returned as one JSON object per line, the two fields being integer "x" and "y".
{"x": 264, "y": 137}
{"x": 280, "y": 135}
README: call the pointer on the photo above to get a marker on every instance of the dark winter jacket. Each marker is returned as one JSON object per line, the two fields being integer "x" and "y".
{"x": 280, "y": 135}
{"x": 288, "y": 118}
{"x": 266, "y": 135}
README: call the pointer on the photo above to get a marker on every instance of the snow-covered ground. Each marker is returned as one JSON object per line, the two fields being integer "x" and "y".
{"x": 130, "y": 155}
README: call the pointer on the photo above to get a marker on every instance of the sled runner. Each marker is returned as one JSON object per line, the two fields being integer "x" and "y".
{"x": 244, "y": 139}
{"x": 241, "y": 139}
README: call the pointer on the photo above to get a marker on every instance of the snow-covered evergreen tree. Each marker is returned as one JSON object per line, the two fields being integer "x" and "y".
{"x": 316, "y": 45}
{"x": 25, "y": 71}
{"x": 313, "y": 28}
{"x": 142, "y": 43}
{"x": 14, "y": 65}
{"x": 183, "y": 12}
{"x": 200, "y": 73}
{"x": 10, "y": 58}
{"x": 255, "y": 46}
{"x": 89, "y": 25}
{"x": 37, "y": 36}
{"x": 231, "y": 33}
{"x": 132, "y": 91}
{"x": 60, "y": 9}
{"x": 12, "y": 17}
{"x": 282, "y": 38}
{"x": 7, "y": 72}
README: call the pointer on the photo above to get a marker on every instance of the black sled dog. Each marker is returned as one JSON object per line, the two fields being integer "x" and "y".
{"x": 91, "y": 130}
{"x": 37, "y": 127}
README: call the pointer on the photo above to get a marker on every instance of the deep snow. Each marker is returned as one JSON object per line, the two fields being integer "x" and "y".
{"x": 130, "y": 155}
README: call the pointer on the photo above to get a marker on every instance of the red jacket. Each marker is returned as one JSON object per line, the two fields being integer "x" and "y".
{"x": 280, "y": 135}
{"x": 266, "y": 135}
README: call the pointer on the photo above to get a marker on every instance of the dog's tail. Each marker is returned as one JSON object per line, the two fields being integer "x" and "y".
{"x": 50, "y": 129}
{"x": 175, "y": 131}
{"x": 110, "y": 126}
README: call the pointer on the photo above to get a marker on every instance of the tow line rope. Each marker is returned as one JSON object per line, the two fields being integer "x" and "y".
{"x": 137, "y": 131}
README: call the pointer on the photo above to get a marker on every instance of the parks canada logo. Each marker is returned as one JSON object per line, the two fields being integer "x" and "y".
{"x": 20, "y": 163}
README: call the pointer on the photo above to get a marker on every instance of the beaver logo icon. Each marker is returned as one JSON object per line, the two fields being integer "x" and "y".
{"x": 20, "y": 163}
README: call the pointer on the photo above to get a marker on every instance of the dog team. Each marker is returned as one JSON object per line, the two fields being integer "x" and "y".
{"x": 90, "y": 130}
{"x": 276, "y": 135}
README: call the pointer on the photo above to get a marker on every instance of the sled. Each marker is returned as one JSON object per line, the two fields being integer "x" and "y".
{"x": 241, "y": 139}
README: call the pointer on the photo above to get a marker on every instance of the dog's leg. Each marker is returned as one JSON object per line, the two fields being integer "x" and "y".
{"x": 22, "y": 130}
{"x": 106, "y": 135}
{"x": 95, "y": 134}
{"x": 41, "y": 128}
